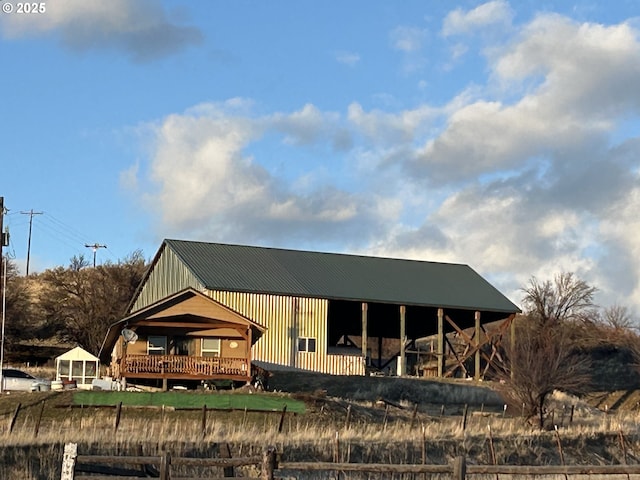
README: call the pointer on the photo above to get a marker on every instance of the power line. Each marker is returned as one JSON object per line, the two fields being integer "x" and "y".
{"x": 31, "y": 213}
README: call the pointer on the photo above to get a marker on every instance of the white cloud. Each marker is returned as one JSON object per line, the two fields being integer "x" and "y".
{"x": 348, "y": 58}
{"x": 140, "y": 28}
{"x": 206, "y": 186}
{"x": 407, "y": 39}
{"x": 529, "y": 174}
{"x": 497, "y": 12}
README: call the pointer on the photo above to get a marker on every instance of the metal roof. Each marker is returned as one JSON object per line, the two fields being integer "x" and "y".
{"x": 338, "y": 276}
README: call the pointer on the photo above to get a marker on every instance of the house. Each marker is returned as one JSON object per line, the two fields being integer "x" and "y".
{"x": 184, "y": 336}
{"x": 335, "y": 313}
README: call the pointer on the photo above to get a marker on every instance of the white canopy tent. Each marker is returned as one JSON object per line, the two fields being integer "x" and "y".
{"x": 79, "y": 365}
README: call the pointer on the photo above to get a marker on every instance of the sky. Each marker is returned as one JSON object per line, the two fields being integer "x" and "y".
{"x": 502, "y": 135}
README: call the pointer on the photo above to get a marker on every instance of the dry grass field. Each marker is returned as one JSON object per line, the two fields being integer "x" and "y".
{"x": 380, "y": 420}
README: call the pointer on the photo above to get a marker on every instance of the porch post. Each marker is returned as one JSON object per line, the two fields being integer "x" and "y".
{"x": 402, "y": 367}
{"x": 512, "y": 326}
{"x": 477, "y": 359}
{"x": 365, "y": 338}
{"x": 440, "y": 343}
{"x": 248, "y": 353}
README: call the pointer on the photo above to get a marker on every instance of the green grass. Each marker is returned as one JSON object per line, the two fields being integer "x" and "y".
{"x": 222, "y": 401}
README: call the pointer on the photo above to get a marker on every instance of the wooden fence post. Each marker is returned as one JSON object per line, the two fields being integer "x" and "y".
{"x": 69, "y": 461}
{"x": 336, "y": 448}
{"x": 464, "y": 417}
{"x": 413, "y": 416}
{"x": 459, "y": 468}
{"x": 14, "y": 417}
{"x": 204, "y": 420}
{"x": 269, "y": 463}
{"x": 348, "y": 418}
{"x": 224, "y": 451}
{"x": 284, "y": 412}
{"x": 116, "y": 421}
{"x": 37, "y": 428}
{"x": 165, "y": 465}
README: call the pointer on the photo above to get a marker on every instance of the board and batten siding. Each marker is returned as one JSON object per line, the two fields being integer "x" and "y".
{"x": 169, "y": 276}
{"x": 287, "y": 319}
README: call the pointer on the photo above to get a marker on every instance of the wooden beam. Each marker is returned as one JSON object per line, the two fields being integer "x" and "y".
{"x": 403, "y": 334}
{"x": 365, "y": 338}
{"x": 477, "y": 356}
{"x": 199, "y": 325}
{"x": 440, "y": 343}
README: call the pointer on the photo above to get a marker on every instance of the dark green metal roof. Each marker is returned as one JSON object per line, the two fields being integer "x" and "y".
{"x": 338, "y": 276}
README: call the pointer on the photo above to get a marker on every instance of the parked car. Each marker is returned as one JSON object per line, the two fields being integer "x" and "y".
{"x": 14, "y": 379}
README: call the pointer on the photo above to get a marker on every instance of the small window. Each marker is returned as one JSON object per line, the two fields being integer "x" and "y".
{"x": 210, "y": 347}
{"x": 157, "y": 345}
{"x": 306, "y": 344}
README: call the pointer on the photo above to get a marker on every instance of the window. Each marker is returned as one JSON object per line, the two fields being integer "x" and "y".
{"x": 157, "y": 345}
{"x": 210, "y": 347}
{"x": 306, "y": 344}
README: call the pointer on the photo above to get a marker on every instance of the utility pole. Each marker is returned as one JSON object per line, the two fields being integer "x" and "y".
{"x": 31, "y": 213}
{"x": 95, "y": 248}
{"x": 4, "y": 241}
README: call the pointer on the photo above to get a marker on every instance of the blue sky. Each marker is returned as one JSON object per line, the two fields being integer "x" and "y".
{"x": 500, "y": 135}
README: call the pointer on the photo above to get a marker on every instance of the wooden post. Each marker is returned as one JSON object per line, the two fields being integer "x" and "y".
{"x": 69, "y": 461}
{"x": 37, "y": 429}
{"x": 14, "y": 417}
{"x": 403, "y": 335}
{"x": 336, "y": 448}
{"x": 365, "y": 337}
{"x": 464, "y": 417}
{"x": 225, "y": 452}
{"x": 424, "y": 445}
{"x": 459, "y": 468}
{"x": 284, "y": 412}
{"x": 512, "y": 328}
{"x": 348, "y": 419}
{"x": 269, "y": 463}
{"x": 204, "y": 420}
{"x": 165, "y": 465}
{"x": 116, "y": 421}
{"x": 413, "y": 416}
{"x": 477, "y": 359}
{"x": 440, "y": 343}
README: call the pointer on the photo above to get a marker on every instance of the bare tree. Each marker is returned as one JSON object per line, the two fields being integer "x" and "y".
{"x": 565, "y": 298}
{"x": 78, "y": 304}
{"x": 541, "y": 361}
{"x": 545, "y": 355}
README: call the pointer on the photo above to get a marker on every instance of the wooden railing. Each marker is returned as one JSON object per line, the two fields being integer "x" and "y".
{"x": 204, "y": 367}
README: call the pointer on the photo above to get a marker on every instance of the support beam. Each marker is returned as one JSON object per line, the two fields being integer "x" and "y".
{"x": 403, "y": 360}
{"x": 477, "y": 356}
{"x": 512, "y": 340}
{"x": 365, "y": 337}
{"x": 440, "y": 343}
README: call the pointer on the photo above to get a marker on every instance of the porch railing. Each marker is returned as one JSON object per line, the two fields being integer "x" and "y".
{"x": 183, "y": 365}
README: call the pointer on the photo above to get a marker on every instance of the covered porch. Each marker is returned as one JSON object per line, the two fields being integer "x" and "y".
{"x": 186, "y": 337}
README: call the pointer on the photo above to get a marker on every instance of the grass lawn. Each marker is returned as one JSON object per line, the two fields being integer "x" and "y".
{"x": 226, "y": 401}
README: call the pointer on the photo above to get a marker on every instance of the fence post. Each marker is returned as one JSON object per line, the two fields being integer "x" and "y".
{"x": 269, "y": 463}
{"x": 37, "y": 429}
{"x": 69, "y": 461}
{"x": 165, "y": 464}
{"x": 284, "y": 412}
{"x": 204, "y": 420}
{"x": 224, "y": 451}
{"x": 12, "y": 422}
{"x": 459, "y": 468}
{"x": 348, "y": 418}
{"x": 116, "y": 422}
